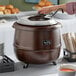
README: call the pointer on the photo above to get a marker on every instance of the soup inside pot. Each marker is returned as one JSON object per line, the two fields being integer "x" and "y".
{"x": 38, "y": 18}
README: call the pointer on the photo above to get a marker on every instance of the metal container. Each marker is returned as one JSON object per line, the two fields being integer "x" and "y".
{"x": 37, "y": 39}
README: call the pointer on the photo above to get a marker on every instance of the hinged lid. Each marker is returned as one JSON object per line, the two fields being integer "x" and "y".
{"x": 38, "y": 20}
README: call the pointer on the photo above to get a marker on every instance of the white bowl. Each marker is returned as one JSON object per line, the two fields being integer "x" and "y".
{"x": 67, "y": 73}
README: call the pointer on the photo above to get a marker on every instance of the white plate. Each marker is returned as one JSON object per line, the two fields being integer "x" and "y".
{"x": 12, "y": 15}
{"x": 50, "y": 75}
{"x": 8, "y": 15}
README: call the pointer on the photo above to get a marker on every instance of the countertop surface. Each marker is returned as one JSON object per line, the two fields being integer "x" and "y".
{"x": 36, "y": 70}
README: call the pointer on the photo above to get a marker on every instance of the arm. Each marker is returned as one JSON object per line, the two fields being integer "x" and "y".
{"x": 63, "y": 6}
{"x": 70, "y": 8}
{"x": 46, "y": 10}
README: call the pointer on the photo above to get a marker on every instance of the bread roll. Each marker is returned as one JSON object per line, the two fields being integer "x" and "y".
{"x": 48, "y": 3}
{"x": 17, "y": 10}
{"x": 14, "y": 10}
{"x": 7, "y": 11}
{"x": 41, "y": 3}
{"x": 2, "y": 7}
{"x": 9, "y": 6}
{"x": 1, "y": 13}
{"x": 37, "y": 7}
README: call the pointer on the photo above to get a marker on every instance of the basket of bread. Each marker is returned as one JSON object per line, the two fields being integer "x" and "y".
{"x": 8, "y": 9}
{"x": 42, "y": 3}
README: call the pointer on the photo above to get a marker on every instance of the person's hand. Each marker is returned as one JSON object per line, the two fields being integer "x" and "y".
{"x": 46, "y": 10}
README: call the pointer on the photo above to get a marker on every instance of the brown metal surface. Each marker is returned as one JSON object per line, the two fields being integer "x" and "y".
{"x": 37, "y": 44}
{"x": 37, "y": 57}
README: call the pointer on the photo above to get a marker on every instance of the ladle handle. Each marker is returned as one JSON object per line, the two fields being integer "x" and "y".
{"x": 43, "y": 15}
{"x": 57, "y": 11}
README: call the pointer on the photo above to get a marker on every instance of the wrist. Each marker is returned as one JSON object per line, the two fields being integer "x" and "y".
{"x": 63, "y": 6}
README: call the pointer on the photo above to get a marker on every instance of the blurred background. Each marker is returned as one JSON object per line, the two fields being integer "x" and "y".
{"x": 26, "y": 5}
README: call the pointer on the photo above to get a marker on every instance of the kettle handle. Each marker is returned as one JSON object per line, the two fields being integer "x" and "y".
{"x": 57, "y": 11}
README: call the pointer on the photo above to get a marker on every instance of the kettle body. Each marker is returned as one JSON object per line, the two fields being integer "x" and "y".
{"x": 37, "y": 44}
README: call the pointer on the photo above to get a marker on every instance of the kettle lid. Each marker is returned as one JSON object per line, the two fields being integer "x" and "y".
{"x": 36, "y": 20}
